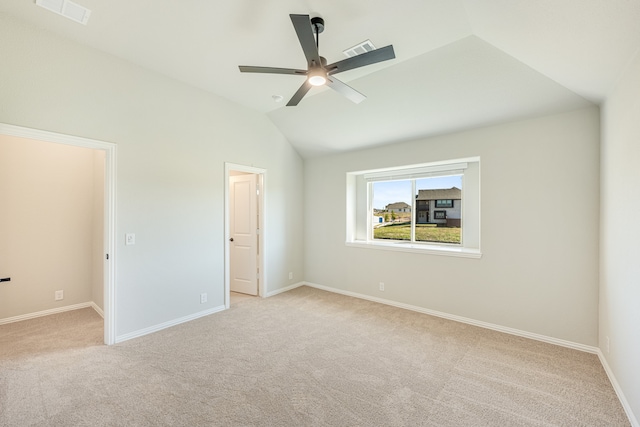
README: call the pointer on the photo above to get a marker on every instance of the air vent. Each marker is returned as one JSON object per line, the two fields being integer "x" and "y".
{"x": 67, "y": 8}
{"x": 359, "y": 49}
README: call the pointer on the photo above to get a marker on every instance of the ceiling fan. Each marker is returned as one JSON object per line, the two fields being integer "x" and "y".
{"x": 318, "y": 73}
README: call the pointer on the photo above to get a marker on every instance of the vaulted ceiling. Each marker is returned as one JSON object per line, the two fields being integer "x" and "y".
{"x": 459, "y": 63}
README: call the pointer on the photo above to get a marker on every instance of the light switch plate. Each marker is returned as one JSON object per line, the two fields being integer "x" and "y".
{"x": 130, "y": 239}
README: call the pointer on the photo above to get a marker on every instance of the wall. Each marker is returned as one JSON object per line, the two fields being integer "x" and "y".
{"x": 620, "y": 233}
{"x": 46, "y": 224}
{"x": 98, "y": 237}
{"x": 539, "y": 208}
{"x": 172, "y": 142}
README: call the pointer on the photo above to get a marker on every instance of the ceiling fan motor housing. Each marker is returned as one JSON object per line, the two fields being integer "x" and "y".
{"x": 318, "y": 24}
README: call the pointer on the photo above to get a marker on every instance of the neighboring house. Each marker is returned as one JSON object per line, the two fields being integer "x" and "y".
{"x": 398, "y": 207}
{"x": 439, "y": 206}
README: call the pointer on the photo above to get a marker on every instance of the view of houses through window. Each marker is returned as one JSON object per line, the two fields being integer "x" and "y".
{"x": 418, "y": 209}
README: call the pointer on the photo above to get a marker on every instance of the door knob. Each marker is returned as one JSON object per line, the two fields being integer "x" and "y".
{"x": 231, "y": 239}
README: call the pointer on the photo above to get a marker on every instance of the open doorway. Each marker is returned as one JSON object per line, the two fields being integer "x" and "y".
{"x": 67, "y": 238}
{"x": 244, "y": 232}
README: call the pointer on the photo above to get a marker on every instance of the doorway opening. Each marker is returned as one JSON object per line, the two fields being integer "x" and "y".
{"x": 105, "y": 156}
{"x": 245, "y": 232}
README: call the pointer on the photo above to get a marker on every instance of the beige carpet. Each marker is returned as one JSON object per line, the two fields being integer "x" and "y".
{"x": 302, "y": 358}
{"x": 237, "y": 297}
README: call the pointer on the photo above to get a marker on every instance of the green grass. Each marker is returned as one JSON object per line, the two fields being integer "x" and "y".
{"x": 424, "y": 233}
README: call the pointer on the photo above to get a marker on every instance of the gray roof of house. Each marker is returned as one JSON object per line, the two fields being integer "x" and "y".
{"x": 398, "y": 205}
{"x": 453, "y": 193}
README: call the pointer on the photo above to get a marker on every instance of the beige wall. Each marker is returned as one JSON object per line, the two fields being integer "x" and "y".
{"x": 539, "y": 229}
{"x": 620, "y": 234}
{"x": 47, "y": 224}
{"x": 98, "y": 250}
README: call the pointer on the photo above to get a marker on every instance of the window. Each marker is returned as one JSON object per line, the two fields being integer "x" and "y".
{"x": 440, "y": 215}
{"x": 394, "y": 198}
{"x": 432, "y": 207}
{"x": 444, "y": 203}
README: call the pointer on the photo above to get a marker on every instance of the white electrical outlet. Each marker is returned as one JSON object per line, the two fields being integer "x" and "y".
{"x": 58, "y": 295}
{"x": 290, "y": 275}
{"x": 382, "y": 286}
{"x": 203, "y": 298}
{"x": 130, "y": 239}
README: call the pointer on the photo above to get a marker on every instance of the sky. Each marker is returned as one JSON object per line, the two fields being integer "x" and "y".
{"x": 386, "y": 192}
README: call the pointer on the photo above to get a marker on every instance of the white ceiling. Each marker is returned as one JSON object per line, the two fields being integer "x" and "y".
{"x": 459, "y": 63}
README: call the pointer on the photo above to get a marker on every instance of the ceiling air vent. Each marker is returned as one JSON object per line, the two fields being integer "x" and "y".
{"x": 66, "y": 8}
{"x": 364, "y": 47}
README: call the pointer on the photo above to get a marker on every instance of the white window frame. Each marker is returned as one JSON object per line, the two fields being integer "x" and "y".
{"x": 359, "y": 207}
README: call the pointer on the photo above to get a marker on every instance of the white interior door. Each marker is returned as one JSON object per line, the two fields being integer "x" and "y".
{"x": 243, "y": 234}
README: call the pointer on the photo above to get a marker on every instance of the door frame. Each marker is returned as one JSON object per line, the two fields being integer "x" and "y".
{"x": 110, "y": 149}
{"x": 262, "y": 184}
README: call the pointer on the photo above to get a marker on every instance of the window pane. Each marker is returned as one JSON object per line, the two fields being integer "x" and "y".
{"x": 443, "y": 193}
{"x": 392, "y": 210}
{"x": 444, "y": 203}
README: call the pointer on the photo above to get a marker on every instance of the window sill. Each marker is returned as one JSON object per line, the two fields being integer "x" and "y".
{"x": 418, "y": 248}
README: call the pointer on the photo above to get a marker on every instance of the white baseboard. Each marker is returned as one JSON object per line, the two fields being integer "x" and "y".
{"x": 616, "y": 386}
{"x": 486, "y": 325}
{"x": 288, "y": 288}
{"x": 46, "y": 312}
{"x": 165, "y": 325}
{"x": 97, "y": 309}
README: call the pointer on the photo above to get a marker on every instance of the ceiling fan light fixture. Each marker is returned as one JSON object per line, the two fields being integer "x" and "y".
{"x": 317, "y": 77}
{"x": 317, "y": 72}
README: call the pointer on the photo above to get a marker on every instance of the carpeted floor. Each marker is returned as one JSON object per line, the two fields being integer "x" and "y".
{"x": 302, "y": 358}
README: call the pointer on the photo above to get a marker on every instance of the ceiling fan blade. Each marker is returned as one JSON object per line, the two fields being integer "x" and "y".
{"x": 271, "y": 70}
{"x": 297, "y": 97}
{"x": 378, "y": 55}
{"x": 302, "y": 25}
{"x": 345, "y": 90}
